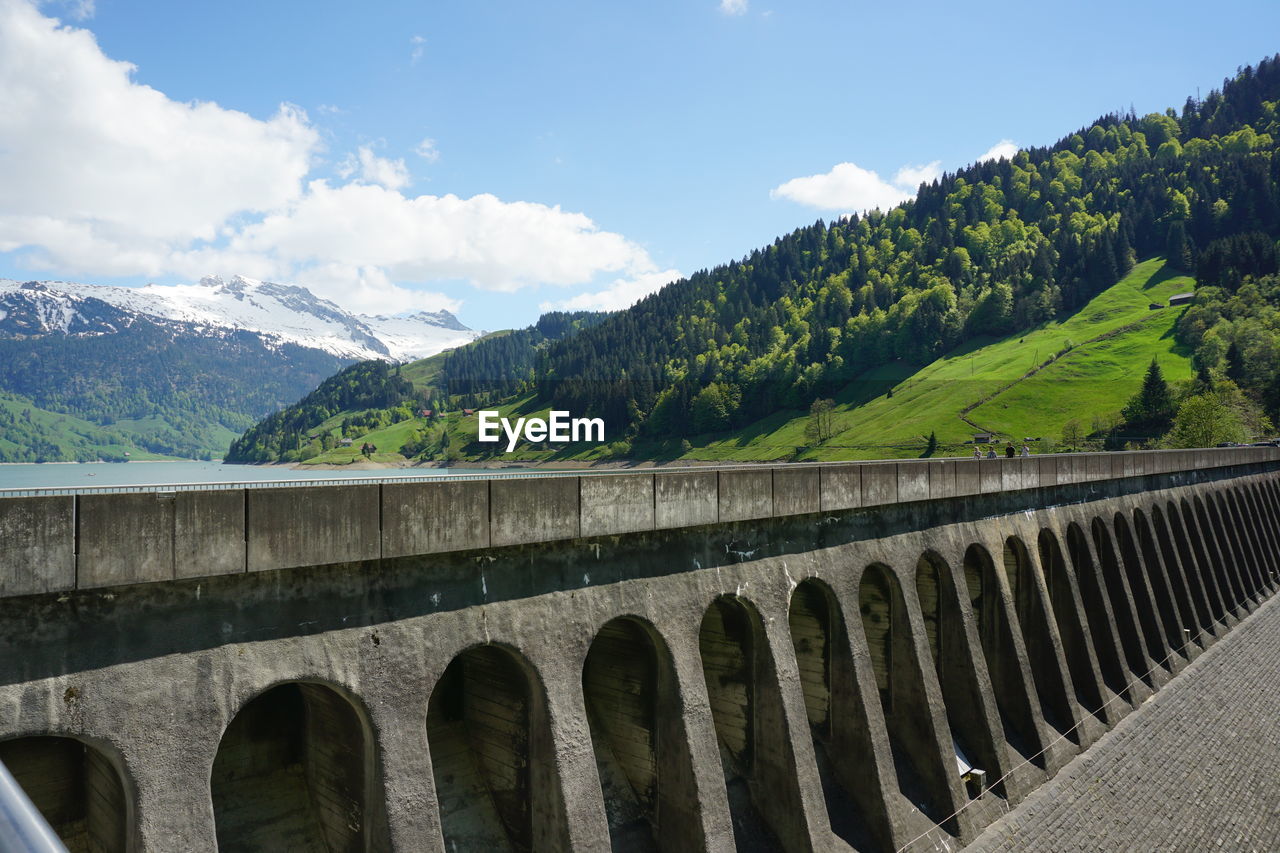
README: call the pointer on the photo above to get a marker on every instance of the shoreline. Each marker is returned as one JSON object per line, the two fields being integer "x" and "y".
{"x": 558, "y": 465}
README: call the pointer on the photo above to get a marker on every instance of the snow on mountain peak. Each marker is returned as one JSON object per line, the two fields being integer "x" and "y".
{"x": 281, "y": 313}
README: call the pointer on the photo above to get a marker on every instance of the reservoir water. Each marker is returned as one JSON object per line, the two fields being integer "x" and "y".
{"x": 96, "y": 475}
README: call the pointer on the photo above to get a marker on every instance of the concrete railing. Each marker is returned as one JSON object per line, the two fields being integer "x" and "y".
{"x": 58, "y": 543}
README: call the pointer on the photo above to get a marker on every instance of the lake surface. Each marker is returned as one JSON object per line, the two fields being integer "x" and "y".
{"x": 95, "y": 475}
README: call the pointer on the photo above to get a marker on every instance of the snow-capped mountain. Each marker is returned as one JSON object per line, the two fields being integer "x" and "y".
{"x": 278, "y": 313}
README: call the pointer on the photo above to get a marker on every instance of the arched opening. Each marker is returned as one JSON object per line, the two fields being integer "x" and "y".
{"x": 290, "y": 773}
{"x": 1175, "y": 609}
{"x": 1033, "y": 622}
{"x": 1126, "y": 624}
{"x": 491, "y": 755}
{"x": 733, "y": 663}
{"x": 1105, "y": 643}
{"x": 1141, "y": 594}
{"x": 996, "y": 636}
{"x": 1244, "y": 539}
{"x": 1266, "y": 521}
{"x": 1209, "y": 570}
{"x": 1231, "y": 542}
{"x": 953, "y": 663}
{"x": 76, "y": 789}
{"x": 918, "y": 757}
{"x": 1177, "y": 559}
{"x": 841, "y": 742}
{"x": 637, "y": 730}
{"x": 1266, "y": 544}
{"x": 1220, "y": 558}
{"x": 1269, "y": 500}
{"x": 1067, "y": 617}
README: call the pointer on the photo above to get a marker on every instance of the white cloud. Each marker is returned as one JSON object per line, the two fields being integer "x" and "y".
{"x": 419, "y": 46}
{"x": 370, "y": 291}
{"x": 427, "y": 150}
{"x": 495, "y": 245}
{"x": 1004, "y": 149}
{"x": 86, "y": 147}
{"x": 913, "y": 176}
{"x": 847, "y": 187}
{"x": 372, "y": 169}
{"x": 622, "y": 293}
{"x": 102, "y": 176}
{"x": 733, "y": 7}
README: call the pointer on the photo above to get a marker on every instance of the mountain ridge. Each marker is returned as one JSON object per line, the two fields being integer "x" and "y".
{"x": 281, "y": 313}
{"x": 991, "y": 251}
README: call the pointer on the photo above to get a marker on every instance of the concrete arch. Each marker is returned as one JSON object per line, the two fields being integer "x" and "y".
{"x": 1098, "y": 616}
{"x": 1033, "y": 622}
{"x": 923, "y": 762}
{"x": 1190, "y": 596}
{"x": 1174, "y": 615}
{"x": 837, "y": 719}
{"x": 1141, "y": 579}
{"x": 1260, "y": 513}
{"x": 1232, "y": 543}
{"x": 638, "y": 735}
{"x": 1248, "y": 538}
{"x": 77, "y": 787}
{"x": 492, "y": 755}
{"x": 295, "y": 770}
{"x": 1131, "y": 635}
{"x": 1210, "y": 571}
{"x": 1071, "y": 628}
{"x": 995, "y": 635}
{"x": 962, "y": 695}
{"x": 1220, "y": 558}
{"x": 1264, "y": 535}
{"x": 749, "y": 719}
{"x": 1269, "y": 500}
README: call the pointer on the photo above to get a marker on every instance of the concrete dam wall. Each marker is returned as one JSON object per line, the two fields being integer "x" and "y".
{"x": 873, "y": 656}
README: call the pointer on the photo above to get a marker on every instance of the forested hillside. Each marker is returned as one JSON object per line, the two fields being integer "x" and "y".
{"x": 373, "y": 395}
{"x": 146, "y": 388}
{"x": 996, "y": 249}
{"x": 999, "y": 246}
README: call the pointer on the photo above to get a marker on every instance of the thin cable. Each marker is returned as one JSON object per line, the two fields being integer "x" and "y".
{"x": 1031, "y": 758}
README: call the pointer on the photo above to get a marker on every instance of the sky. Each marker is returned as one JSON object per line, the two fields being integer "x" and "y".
{"x": 502, "y": 159}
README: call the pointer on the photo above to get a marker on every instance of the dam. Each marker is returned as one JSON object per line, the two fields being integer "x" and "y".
{"x": 878, "y": 656}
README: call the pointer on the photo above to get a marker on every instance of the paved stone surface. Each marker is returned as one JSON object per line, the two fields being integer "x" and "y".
{"x": 1197, "y": 768}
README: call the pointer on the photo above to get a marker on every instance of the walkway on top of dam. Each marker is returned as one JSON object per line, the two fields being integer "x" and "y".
{"x": 1196, "y": 768}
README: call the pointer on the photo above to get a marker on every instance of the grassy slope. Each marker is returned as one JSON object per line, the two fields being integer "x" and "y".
{"x": 1090, "y": 378}
{"x": 424, "y": 374}
{"x": 73, "y": 435}
{"x": 1021, "y": 386}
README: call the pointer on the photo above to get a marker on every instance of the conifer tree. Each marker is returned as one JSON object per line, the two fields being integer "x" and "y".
{"x": 1151, "y": 410}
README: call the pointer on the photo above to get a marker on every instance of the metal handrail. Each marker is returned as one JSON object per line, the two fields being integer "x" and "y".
{"x": 22, "y": 828}
{"x": 472, "y": 474}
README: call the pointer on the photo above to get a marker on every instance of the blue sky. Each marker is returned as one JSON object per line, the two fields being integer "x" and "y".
{"x": 502, "y": 158}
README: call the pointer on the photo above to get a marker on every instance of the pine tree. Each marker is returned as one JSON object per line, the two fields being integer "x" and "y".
{"x": 932, "y": 446}
{"x": 1151, "y": 410}
{"x": 1234, "y": 364}
{"x": 1180, "y": 251}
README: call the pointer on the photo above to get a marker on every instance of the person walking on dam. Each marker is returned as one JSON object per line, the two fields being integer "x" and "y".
{"x": 1009, "y": 451}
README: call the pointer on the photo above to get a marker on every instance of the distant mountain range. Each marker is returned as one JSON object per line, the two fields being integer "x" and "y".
{"x": 279, "y": 313}
{"x": 91, "y": 371}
